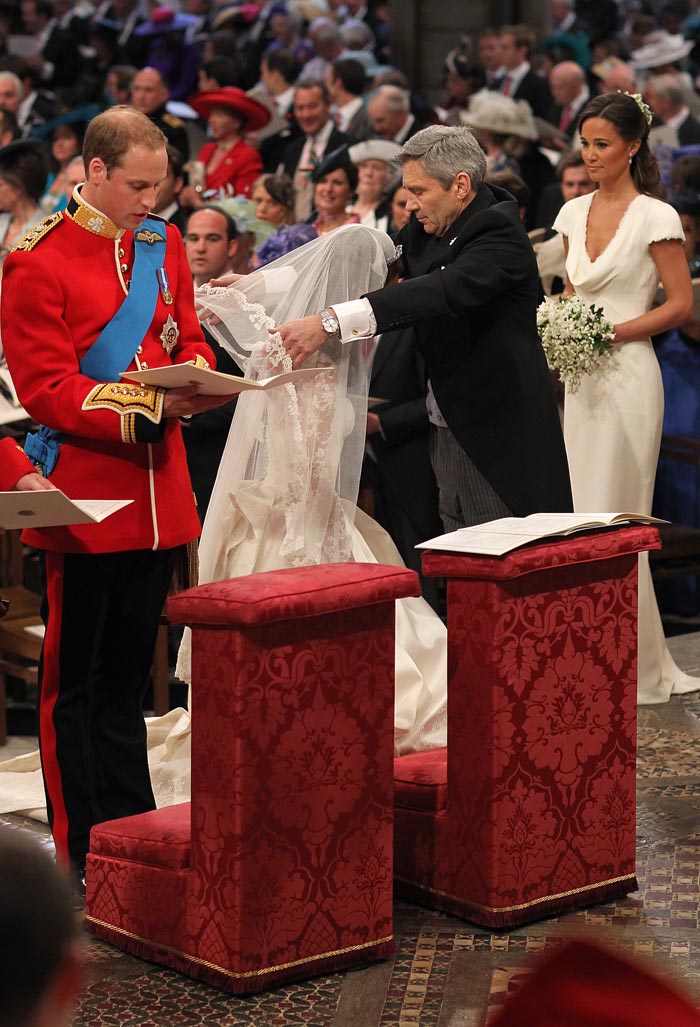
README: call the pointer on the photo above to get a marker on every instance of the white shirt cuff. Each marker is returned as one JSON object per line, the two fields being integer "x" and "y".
{"x": 356, "y": 319}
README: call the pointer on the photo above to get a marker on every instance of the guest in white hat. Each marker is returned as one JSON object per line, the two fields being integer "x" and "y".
{"x": 377, "y": 175}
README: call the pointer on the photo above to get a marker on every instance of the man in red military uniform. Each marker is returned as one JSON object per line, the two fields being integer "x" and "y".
{"x": 99, "y": 289}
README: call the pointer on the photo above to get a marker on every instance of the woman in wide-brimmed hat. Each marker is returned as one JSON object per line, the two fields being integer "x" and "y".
{"x": 230, "y": 165}
{"x": 377, "y": 174}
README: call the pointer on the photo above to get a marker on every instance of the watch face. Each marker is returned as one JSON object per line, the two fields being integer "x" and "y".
{"x": 330, "y": 324}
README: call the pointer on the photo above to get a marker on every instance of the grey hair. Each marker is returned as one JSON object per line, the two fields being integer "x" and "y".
{"x": 444, "y": 152}
{"x": 396, "y": 99}
{"x": 14, "y": 80}
{"x": 357, "y": 35}
{"x": 667, "y": 87}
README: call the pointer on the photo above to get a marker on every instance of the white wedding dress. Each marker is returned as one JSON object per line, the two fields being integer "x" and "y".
{"x": 286, "y": 489}
{"x": 612, "y": 425}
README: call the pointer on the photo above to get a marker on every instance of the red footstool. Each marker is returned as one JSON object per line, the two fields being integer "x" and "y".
{"x": 530, "y": 810}
{"x": 281, "y": 866}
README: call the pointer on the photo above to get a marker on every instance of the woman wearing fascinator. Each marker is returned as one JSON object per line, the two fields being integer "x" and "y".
{"x": 621, "y": 240}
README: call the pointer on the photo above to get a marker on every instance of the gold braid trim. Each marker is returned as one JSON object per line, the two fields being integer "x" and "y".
{"x": 127, "y": 400}
{"x": 93, "y": 220}
{"x": 201, "y": 362}
{"x": 37, "y": 233}
{"x": 129, "y": 428}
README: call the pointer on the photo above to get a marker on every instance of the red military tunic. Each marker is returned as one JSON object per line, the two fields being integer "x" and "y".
{"x": 13, "y": 464}
{"x": 61, "y": 285}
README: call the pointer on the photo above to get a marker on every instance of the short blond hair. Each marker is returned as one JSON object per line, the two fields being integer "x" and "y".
{"x": 111, "y": 135}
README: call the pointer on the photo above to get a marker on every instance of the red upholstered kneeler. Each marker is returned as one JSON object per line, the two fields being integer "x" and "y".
{"x": 531, "y": 808}
{"x": 281, "y": 866}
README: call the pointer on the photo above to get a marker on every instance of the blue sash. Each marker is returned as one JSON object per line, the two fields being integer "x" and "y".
{"x": 115, "y": 347}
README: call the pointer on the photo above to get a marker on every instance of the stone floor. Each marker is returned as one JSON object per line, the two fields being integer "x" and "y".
{"x": 447, "y": 973}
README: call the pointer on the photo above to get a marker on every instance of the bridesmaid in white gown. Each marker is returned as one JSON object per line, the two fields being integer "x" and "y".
{"x": 620, "y": 241}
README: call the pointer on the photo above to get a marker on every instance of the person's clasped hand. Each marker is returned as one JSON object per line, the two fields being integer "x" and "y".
{"x": 301, "y": 338}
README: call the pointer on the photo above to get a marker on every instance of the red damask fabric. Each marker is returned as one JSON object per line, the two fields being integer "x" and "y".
{"x": 420, "y": 780}
{"x": 292, "y": 593}
{"x": 291, "y": 818}
{"x": 161, "y": 837}
{"x": 542, "y": 671}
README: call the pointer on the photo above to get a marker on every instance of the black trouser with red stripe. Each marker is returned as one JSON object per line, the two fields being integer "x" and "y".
{"x": 101, "y": 613}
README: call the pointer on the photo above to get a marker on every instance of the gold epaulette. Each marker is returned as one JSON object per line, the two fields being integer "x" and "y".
{"x": 173, "y": 120}
{"x": 39, "y": 232}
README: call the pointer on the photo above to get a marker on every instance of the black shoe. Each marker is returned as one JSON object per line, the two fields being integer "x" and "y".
{"x": 77, "y": 875}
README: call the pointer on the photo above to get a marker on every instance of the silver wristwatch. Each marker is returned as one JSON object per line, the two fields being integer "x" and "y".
{"x": 330, "y": 323}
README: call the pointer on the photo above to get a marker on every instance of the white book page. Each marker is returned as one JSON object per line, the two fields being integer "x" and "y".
{"x": 51, "y": 507}
{"x": 214, "y": 383}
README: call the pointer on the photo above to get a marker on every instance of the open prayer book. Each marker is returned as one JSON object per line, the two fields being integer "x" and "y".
{"x": 498, "y": 537}
{"x": 214, "y": 383}
{"x": 47, "y": 508}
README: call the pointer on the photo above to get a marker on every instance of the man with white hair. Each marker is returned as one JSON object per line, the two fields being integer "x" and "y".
{"x": 666, "y": 98}
{"x": 567, "y": 81}
{"x": 10, "y": 92}
{"x": 470, "y": 289}
{"x": 389, "y": 110}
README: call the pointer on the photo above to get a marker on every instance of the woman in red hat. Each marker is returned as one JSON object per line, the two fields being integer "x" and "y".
{"x": 231, "y": 166}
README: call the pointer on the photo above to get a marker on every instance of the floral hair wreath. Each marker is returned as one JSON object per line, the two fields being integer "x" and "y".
{"x": 644, "y": 107}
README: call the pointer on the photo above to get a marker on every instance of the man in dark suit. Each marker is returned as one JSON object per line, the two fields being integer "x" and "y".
{"x": 397, "y": 467}
{"x": 520, "y": 81}
{"x": 303, "y": 155}
{"x": 347, "y": 81}
{"x": 471, "y": 291}
{"x": 667, "y": 100}
{"x": 567, "y": 81}
{"x": 389, "y": 110}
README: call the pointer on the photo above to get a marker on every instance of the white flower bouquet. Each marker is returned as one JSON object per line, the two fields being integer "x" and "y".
{"x": 576, "y": 338}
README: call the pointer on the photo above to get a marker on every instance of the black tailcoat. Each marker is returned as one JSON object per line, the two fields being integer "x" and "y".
{"x": 472, "y": 296}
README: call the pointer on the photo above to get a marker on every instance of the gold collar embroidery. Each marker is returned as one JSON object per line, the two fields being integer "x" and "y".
{"x": 91, "y": 219}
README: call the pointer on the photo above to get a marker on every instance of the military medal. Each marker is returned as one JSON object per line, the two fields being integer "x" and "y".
{"x": 170, "y": 334}
{"x": 164, "y": 285}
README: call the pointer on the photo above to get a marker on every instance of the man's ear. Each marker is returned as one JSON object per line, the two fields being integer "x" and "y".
{"x": 463, "y": 184}
{"x": 232, "y": 247}
{"x": 97, "y": 171}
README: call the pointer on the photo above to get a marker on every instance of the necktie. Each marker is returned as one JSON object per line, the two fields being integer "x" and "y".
{"x": 312, "y": 161}
{"x": 507, "y": 85}
{"x": 566, "y": 118}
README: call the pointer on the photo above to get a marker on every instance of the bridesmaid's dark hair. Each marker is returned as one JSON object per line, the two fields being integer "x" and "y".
{"x": 625, "y": 115}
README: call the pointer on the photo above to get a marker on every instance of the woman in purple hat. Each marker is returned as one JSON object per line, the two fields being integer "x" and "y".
{"x": 230, "y": 165}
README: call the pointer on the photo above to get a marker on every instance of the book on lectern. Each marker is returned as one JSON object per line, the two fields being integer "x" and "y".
{"x": 494, "y": 538}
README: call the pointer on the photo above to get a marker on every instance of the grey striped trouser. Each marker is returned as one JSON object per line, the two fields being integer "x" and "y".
{"x": 465, "y": 495}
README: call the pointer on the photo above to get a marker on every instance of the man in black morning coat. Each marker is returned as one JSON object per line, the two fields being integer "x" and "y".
{"x": 471, "y": 291}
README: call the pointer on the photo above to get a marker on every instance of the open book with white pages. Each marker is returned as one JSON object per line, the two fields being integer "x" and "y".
{"x": 47, "y": 508}
{"x": 214, "y": 383}
{"x": 494, "y": 538}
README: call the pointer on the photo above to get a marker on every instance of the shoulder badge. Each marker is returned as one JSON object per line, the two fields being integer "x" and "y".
{"x": 38, "y": 232}
{"x": 173, "y": 120}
